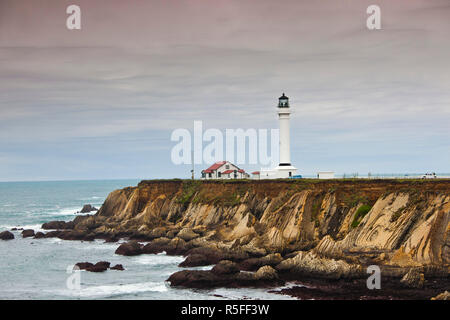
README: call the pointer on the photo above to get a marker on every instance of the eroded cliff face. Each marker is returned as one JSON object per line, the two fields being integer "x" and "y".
{"x": 395, "y": 223}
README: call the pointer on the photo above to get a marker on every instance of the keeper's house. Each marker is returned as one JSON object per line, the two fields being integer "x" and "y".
{"x": 224, "y": 170}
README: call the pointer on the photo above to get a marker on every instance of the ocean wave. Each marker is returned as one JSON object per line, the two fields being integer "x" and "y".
{"x": 35, "y": 227}
{"x": 97, "y": 245}
{"x": 291, "y": 284}
{"x": 157, "y": 259}
{"x": 203, "y": 268}
{"x": 106, "y": 291}
{"x": 64, "y": 211}
{"x": 54, "y": 240}
{"x": 90, "y": 198}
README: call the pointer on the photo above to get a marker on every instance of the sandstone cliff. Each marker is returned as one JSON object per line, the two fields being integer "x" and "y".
{"x": 396, "y": 223}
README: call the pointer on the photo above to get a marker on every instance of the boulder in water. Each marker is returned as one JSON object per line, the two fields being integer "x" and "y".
{"x": 88, "y": 208}
{"x": 84, "y": 265}
{"x": 130, "y": 248}
{"x": 28, "y": 233}
{"x": 6, "y": 235}
{"x": 55, "y": 225}
{"x": 195, "y": 260}
{"x": 39, "y": 235}
{"x": 118, "y": 267}
{"x": 99, "y": 266}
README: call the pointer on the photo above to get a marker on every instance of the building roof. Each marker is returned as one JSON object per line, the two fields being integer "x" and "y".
{"x": 255, "y": 172}
{"x": 215, "y": 166}
{"x": 283, "y": 96}
{"x": 231, "y": 171}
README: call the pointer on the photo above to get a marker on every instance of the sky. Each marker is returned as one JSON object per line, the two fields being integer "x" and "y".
{"x": 102, "y": 102}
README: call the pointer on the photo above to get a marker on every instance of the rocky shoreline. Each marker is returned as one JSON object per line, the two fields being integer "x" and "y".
{"x": 320, "y": 235}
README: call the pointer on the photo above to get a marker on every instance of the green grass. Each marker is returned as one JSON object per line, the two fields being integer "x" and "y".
{"x": 230, "y": 199}
{"x": 190, "y": 187}
{"x": 315, "y": 210}
{"x": 355, "y": 199}
{"x": 360, "y": 214}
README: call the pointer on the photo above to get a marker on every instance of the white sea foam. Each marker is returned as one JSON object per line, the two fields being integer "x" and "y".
{"x": 209, "y": 267}
{"x": 114, "y": 290}
{"x": 72, "y": 211}
{"x": 35, "y": 227}
{"x": 157, "y": 259}
{"x": 290, "y": 285}
{"x": 90, "y": 198}
{"x": 64, "y": 211}
{"x": 54, "y": 240}
{"x": 97, "y": 245}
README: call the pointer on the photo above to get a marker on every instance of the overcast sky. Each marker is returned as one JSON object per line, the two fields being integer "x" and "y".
{"x": 102, "y": 102}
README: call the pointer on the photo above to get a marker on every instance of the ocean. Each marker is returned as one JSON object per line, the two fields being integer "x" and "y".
{"x": 38, "y": 268}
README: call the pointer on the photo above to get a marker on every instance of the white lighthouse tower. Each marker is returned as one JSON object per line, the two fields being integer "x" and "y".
{"x": 285, "y": 168}
{"x": 284, "y": 113}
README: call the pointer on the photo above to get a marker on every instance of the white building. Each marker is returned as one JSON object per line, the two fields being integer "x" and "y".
{"x": 285, "y": 168}
{"x": 224, "y": 170}
{"x": 325, "y": 175}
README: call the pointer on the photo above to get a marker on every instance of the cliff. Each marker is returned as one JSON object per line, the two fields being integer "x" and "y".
{"x": 398, "y": 223}
{"x": 326, "y": 234}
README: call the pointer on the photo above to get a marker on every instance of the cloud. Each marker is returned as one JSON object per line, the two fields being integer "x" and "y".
{"x": 139, "y": 70}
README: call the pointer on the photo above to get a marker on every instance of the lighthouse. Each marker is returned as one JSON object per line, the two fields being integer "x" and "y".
{"x": 284, "y": 113}
{"x": 285, "y": 168}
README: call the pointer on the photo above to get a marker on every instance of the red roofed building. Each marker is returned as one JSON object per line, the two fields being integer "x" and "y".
{"x": 224, "y": 170}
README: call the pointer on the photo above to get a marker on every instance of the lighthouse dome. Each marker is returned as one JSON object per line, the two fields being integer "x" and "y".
{"x": 283, "y": 101}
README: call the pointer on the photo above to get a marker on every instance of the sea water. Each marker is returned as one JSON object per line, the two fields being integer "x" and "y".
{"x": 41, "y": 268}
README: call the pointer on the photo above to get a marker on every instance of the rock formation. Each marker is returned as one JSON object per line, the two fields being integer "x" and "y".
{"x": 413, "y": 279}
{"x": 6, "y": 235}
{"x": 287, "y": 228}
{"x": 88, "y": 208}
{"x": 28, "y": 233}
{"x": 53, "y": 225}
{"x": 118, "y": 267}
{"x": 100, "y": 266}
{"x": 39, "y": 235}
{"x": 131, "y": 248}
{"x": 442, "y": 296}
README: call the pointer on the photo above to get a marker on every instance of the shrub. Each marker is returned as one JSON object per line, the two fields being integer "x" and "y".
{"x": 189, "y": 189}
{"x": 360, "y": 214}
